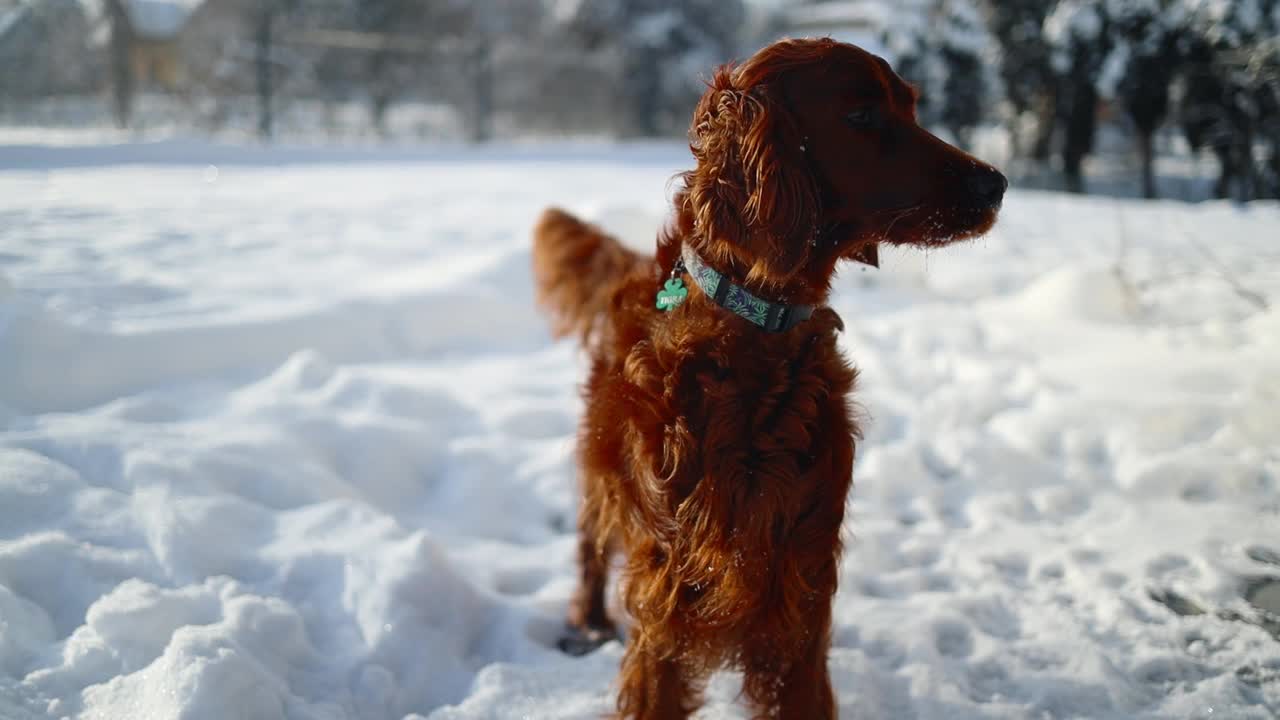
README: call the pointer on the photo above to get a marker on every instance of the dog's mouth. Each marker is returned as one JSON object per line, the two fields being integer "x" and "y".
{"x": 903, "y": 218}
{"x": 920, "y": 225}
{"x": 955, "y": 225}
{"x": 970, "y": 215}
{"x": 975, "y": 221}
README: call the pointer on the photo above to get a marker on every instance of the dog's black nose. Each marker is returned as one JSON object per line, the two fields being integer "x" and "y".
{"x": 987, "y": 186}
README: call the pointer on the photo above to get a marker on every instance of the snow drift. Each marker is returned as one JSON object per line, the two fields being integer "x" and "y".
{"x": 290, "y": 441}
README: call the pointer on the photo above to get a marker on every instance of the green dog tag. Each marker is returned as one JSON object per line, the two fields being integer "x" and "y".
{"x": 672, "y": 294}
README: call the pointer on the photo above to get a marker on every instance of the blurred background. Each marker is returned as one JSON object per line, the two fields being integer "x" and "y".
{"x": 1172, "y": 98}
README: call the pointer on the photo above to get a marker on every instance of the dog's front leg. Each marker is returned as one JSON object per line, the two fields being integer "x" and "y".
{"x": 656, "y": 686}
{"x": 799, "y": 689}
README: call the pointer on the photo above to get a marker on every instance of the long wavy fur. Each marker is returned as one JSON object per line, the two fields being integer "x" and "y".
{"x": 751, "y": 193}
{"x": 715, "y": 457}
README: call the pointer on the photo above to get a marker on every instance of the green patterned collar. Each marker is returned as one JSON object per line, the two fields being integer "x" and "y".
{"x": 769, "y": 316}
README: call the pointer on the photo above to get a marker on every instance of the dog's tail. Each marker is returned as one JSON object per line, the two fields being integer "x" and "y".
{"x": 576, "y": 266}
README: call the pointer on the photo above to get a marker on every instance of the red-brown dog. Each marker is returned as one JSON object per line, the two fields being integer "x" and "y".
{"x": 717, "y": 447}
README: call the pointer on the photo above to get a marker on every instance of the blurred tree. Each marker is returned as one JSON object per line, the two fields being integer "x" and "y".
{"x": 1079, "y": 36}
{"x": 491, "y": 37}
{"x": 1231, "y": 89}
{"x": 914, "y": 59}
{"x": 1265, "y": 64}
{"x": 942, "y": 52}
{"x": 1028, "y": 80}
{"x": 403, "y": 48}
{"x": 266, "y": 15}
{"x": 665, "y": 45}
{"x": 388, "y": 71}
{"x": 120, "y": 43}
{"x": 1147, "y": 50}
{"x": 966, "y": 91}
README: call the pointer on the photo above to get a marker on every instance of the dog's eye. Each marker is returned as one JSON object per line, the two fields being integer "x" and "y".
{"x": 860, "y": 118}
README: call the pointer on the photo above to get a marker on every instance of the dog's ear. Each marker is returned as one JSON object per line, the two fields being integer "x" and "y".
{"x": 752, "y": 193}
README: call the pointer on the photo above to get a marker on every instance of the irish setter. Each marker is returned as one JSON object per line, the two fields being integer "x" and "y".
{"x": 717, "y": 447}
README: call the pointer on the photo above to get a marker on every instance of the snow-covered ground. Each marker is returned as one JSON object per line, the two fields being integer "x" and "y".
{"x": 282, "y": 435}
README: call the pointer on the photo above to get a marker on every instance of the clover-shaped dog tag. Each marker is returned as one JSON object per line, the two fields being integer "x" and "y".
{"x": 672, "y": 294}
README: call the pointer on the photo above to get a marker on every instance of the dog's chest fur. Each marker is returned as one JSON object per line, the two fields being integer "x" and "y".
{"x": 732, "y": 457}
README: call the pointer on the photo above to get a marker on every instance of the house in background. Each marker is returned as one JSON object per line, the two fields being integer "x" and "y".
{"x": 52, "y": 47}
{"x": 156, "y": 29}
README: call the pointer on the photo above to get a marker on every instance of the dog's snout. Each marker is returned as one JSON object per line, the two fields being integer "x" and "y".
{"x": 987, "y": 186}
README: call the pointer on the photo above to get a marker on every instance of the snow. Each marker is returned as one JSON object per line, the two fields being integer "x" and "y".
{"x": 282, "y": 435}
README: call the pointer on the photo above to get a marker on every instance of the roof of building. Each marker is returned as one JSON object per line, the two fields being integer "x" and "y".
{"x": 160, "y": 18}
{"x": 10, "y": 12}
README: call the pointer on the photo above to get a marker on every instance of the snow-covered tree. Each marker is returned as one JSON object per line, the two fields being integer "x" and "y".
{"x": 1147, "y": 55}
{"x": 1079, "y": 36}
{"x": 944, "y": 51}
{"x": 115, "y": 15}
{"x": 1265, "y": 59}
{"x": 387, "y": 72}
{"x": 1028, "y": 81}
{"x": 964, "y": 49}
{"x": 1232, "y": 90}
{"x": 665, "y": 48}
{"x": 909, "y": 40}
{"x": 489, "y": 41}
{"x": 266, "y": 16}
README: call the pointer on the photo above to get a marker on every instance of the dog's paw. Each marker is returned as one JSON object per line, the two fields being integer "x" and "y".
{"x": 578, "y": 641}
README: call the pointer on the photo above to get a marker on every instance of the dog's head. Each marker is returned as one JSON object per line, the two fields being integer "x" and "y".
{"x": 810, "y": 152}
